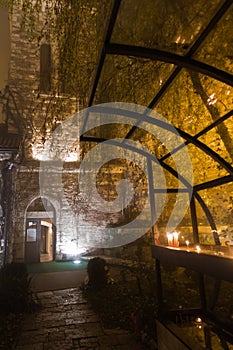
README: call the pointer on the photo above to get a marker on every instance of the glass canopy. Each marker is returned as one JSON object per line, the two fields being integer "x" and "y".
{"x": 159, "y": 80}
{"x": 176, "y": 59}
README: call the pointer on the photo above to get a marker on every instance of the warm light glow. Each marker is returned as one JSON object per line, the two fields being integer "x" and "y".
{"x": 198, "y": 248}
{"x": 77, "y": 262}
{"x": 175, "y": 239}
{"x": 71, "y": 248}
{"x": 71, "y": 157}
{"x": 212, "y": 99}
{"x": 198, "y": 322}
{"x": 38, "y": 154}
{"x": 170, "y": 239}
{"x": 187, "y": 243}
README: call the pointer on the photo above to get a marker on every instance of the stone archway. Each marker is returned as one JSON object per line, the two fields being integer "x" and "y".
{"x": 40, "y": 232}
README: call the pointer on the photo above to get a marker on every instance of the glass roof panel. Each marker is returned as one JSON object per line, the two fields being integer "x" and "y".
{"x": 170, "y": 201}
{"x": 110, "y": 131}
{"x": 229, "y": 125}
{"x": 195, "y": 101}
{"x": 219, "y": 140}
{"x": 220, "y": 201}
{"x": 158, "y": 178}
{"x": 218, "y": 49}
{"x": 179, "y": 164}
{"x": 204, "y": 230}
{"x": 205, "y": 168}
{"x": 167, "y": 25}
{"x": 150, "y": 140}
{"x": 130, "y": 79}
{"x": 184, "y": 227}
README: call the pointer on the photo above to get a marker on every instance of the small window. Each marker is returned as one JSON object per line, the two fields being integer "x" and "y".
{"x": 45, "y": 68}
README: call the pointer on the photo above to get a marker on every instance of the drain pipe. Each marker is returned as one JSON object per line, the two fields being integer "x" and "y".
{"x": 6, "y": 174}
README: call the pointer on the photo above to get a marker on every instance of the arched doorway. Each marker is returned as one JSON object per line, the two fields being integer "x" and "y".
{"x": 40, "y": 235}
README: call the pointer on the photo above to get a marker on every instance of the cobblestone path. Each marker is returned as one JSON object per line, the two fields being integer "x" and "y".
{"x": 66, "y": 322}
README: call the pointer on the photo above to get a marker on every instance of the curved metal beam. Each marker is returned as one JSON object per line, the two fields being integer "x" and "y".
{"x": 214, "y": 183}
{"x": 169, "y": 57}
{"x": 218, "y": 16}
{"x": 209, "y": 184}
{"x": 201, "y": 133}
{"x": 150, "y": 157}
{"x": 206, "y": 211}
{"x": 189, "y": 187}
{"x": 167, "y": 126}
{"x": 207, "y": 150}
{"x": 108, "y": 35}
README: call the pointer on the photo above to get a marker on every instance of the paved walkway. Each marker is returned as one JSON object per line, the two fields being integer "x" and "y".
{"x": 41, "y": 282}
{"x": 66, "y": 322}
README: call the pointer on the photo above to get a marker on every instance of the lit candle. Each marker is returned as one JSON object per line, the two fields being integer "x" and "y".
{"x": 170, "y": 239}
{"x": 187, "y": 243}
{"x": 175, "y": 239}
{"x": 198, "y": 248}
{"x": 198, "y": 322}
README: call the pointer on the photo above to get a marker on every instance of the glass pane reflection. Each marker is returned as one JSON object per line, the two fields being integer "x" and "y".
{"x": 168, "y": 25}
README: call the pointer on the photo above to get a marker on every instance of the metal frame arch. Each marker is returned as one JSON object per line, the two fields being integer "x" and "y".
{"x": 179, "y": 177}
{"x": 167, "y": 126}
{"x": 181, "y": 62}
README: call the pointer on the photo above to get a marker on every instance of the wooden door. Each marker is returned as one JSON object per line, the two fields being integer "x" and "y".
{"x": 44, "y": 249}
{"x": 32, "y": 240}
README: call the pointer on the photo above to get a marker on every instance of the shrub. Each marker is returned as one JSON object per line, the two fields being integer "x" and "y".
{"x": 15, "y": 294}
{"x": 10, "y": 326}
{"x": 97, "y": 270}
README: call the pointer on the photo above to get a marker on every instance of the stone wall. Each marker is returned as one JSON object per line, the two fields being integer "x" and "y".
{"x": 77, "y": 225}
{"x": 35, "y": 115}
{"x": 32, "y": 112}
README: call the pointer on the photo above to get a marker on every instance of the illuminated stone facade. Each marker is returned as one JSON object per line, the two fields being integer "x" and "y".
{"x": 32, "y": 116}
{"x": 37, "y": 107}
{"x": 36, "y": 115}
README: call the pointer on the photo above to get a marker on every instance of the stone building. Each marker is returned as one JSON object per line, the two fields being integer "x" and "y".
{"x": 50, "y": 219}
{"x": 48, "y": 222}
{"x": 30, "y": 234}
{"x": 61, "y": 188}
